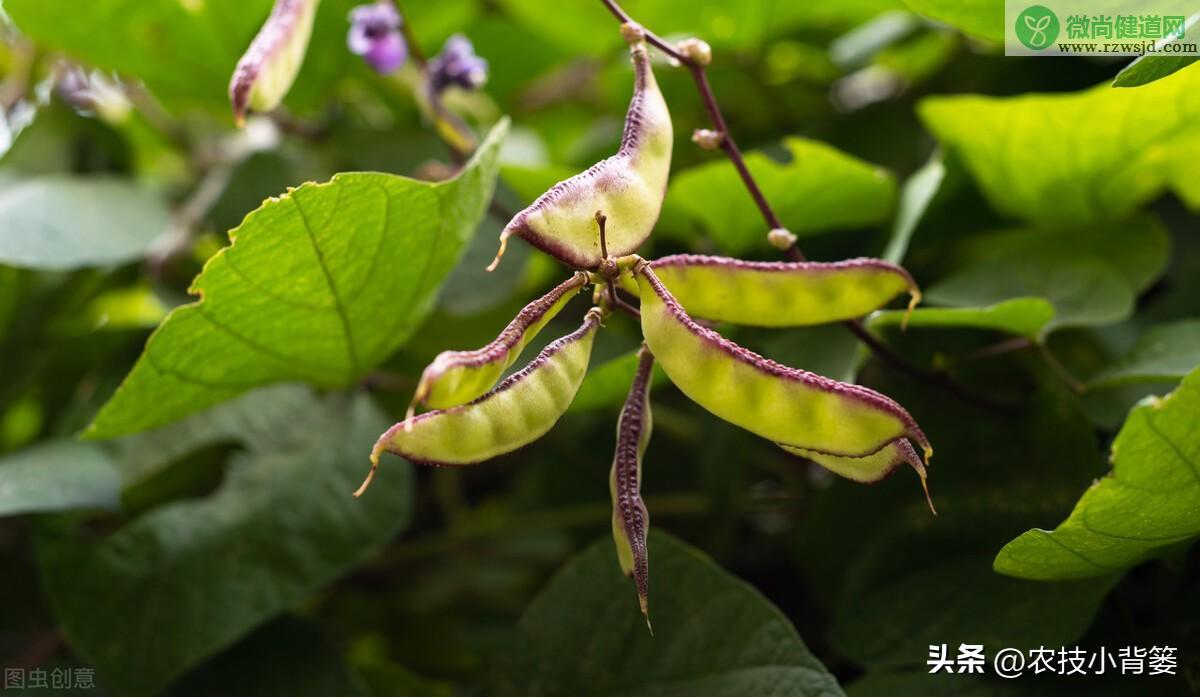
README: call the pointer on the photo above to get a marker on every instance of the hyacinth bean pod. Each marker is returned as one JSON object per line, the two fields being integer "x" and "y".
{"x": 782, "y": 404}
{"x": 781, "y": 294}
{"x": 519, "y": 411}
{"x": 266, "y": 71}
{"x": 457, "y": 377}
{"x": 628, "y": 187}
{"x": 630, "y": 520}
{"x": 870, "y": 468}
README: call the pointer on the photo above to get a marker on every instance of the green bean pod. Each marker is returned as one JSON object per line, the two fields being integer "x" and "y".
{"x": 520, "y": 410}
{"x": 267, "y": 70}
{"x": 630, "y": 520}
{"x": 870, "y": 468}
{"x": 628, "y": 188}
{"x": 457, "y": 377}
{"x": 782, "y": 294}
{"x": 782, "y": 404}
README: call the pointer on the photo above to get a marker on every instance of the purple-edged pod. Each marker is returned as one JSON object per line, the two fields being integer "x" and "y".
{"x": 782, "y": 294}
{"x": 628, "y": 188}
{"x": 782, "y": 404}
{"x": 519, "y": 411}
{"x": 457, "y": 377}
{"x": 870, "y": 468}
{"x": 630, "y": 520}
{"x": 267, "y": 70}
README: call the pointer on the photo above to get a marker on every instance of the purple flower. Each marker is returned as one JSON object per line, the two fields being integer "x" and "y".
{"x": 375, "y": 35}
{"x": 458, "y": 65}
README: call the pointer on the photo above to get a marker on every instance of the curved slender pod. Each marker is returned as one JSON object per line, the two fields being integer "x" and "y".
{"x": 870, "y": 468}
{"x": 628, "y": 187}
{"x": 782, "y": 404}
{"x": 519, "y": 411}
{"x": 457, "y": 377}
{"x": 630, "y": 519}
{"x": 782, "y": 294}
{"x": 266, "y": 71}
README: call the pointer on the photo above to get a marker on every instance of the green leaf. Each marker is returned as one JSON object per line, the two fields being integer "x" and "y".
{"x": 184, "y": 51}
{"x": 607, "y": 384}
{"x": 1163, "y": 353}
{"x": 1021, "y": 316}
{"x": 981, "y": 18}
{"x": 198, "y": 574}
{"x": 319, "y": 285}
{"x": 926, "y": 581}
{"x": 63, "y": 222}
{"x": 1090, "y": 275}
{"x": 1154, "y": 66}
{"x": 56, "y": 476}
{"x": 589, "y": 28}
{"x": 713, "y": 634}
{"x": 916, "y": 195}
{"x": 180, "y": 49}
{"x": 819, "y": 189}
{"x": 1146, "y": 504}
{"x": 1076, "y": 157}
{"x": 1148, "y": 68}
{"x": 286, "y": 657}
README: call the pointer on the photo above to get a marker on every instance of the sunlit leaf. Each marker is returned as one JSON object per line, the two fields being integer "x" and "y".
{"x": 320, "y": 285}
{"x": 1144, "y": 506}
{"x": 1020, "y": 316}
{"x": 818, "y": 190}
{"x": 1076, "y": 157}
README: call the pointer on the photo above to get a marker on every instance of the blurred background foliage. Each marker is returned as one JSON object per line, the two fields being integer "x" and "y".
{"x": 1055, "y": 235}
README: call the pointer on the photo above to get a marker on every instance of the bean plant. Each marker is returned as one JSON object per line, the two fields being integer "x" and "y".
{"x": 256, "y": 254}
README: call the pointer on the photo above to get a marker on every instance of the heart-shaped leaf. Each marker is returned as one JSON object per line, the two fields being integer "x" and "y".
{"x": 319, "y": 285}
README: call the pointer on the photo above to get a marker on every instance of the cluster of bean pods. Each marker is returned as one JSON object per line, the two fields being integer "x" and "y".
{"x": 594, "y": 222}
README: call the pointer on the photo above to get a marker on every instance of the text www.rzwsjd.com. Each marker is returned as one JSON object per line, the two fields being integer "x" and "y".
{"x": 1138, "y": 47}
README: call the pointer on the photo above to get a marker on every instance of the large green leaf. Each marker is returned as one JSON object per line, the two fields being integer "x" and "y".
{"x": 287, "y": 657}
{"x": 1147, "y": 503}
{"x": 1091, "y": 275}
{"x": 587, "y": 27}
{"x": 1084, "y": 156}
{"x": 184, "y": 51}
{"x": 57, "y": 476}
{"x": 61, "y": 222}
{"x": 319, "y": 285}
{"x": 926, "y": 580}
{"x": 982, "y": 18}
{"x": 713, "y": 634}
{"x": 187, "y": 579}
{"x": 819, "y": 189}
{"x": 180, "y": 49}
{"x": 1166, "y": 352}
{"x": 1021, "y": 316}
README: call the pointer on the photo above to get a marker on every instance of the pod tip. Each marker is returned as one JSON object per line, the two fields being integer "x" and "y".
{"x": 914, "y": 300}
{"x": 499, "y": 253}
{"x": 644, "y": 604}
{"x": 408, "y": 415}
{"x": 370, "y": 475}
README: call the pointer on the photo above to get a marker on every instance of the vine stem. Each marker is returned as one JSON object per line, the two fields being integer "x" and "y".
{"x": 728, "y": 144}
{"x": 793, "y": 252}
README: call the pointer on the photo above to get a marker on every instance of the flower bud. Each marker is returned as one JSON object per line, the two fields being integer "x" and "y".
{"x": 266, "y": 71}
{"x": 457, "y": 65}
{"x": 708, "y": 139}
{"x": 781, "y": 238}
{"x": 633, "y": 33}
{"x": 375, "y": 35}
{"x": 695, "y": 50}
